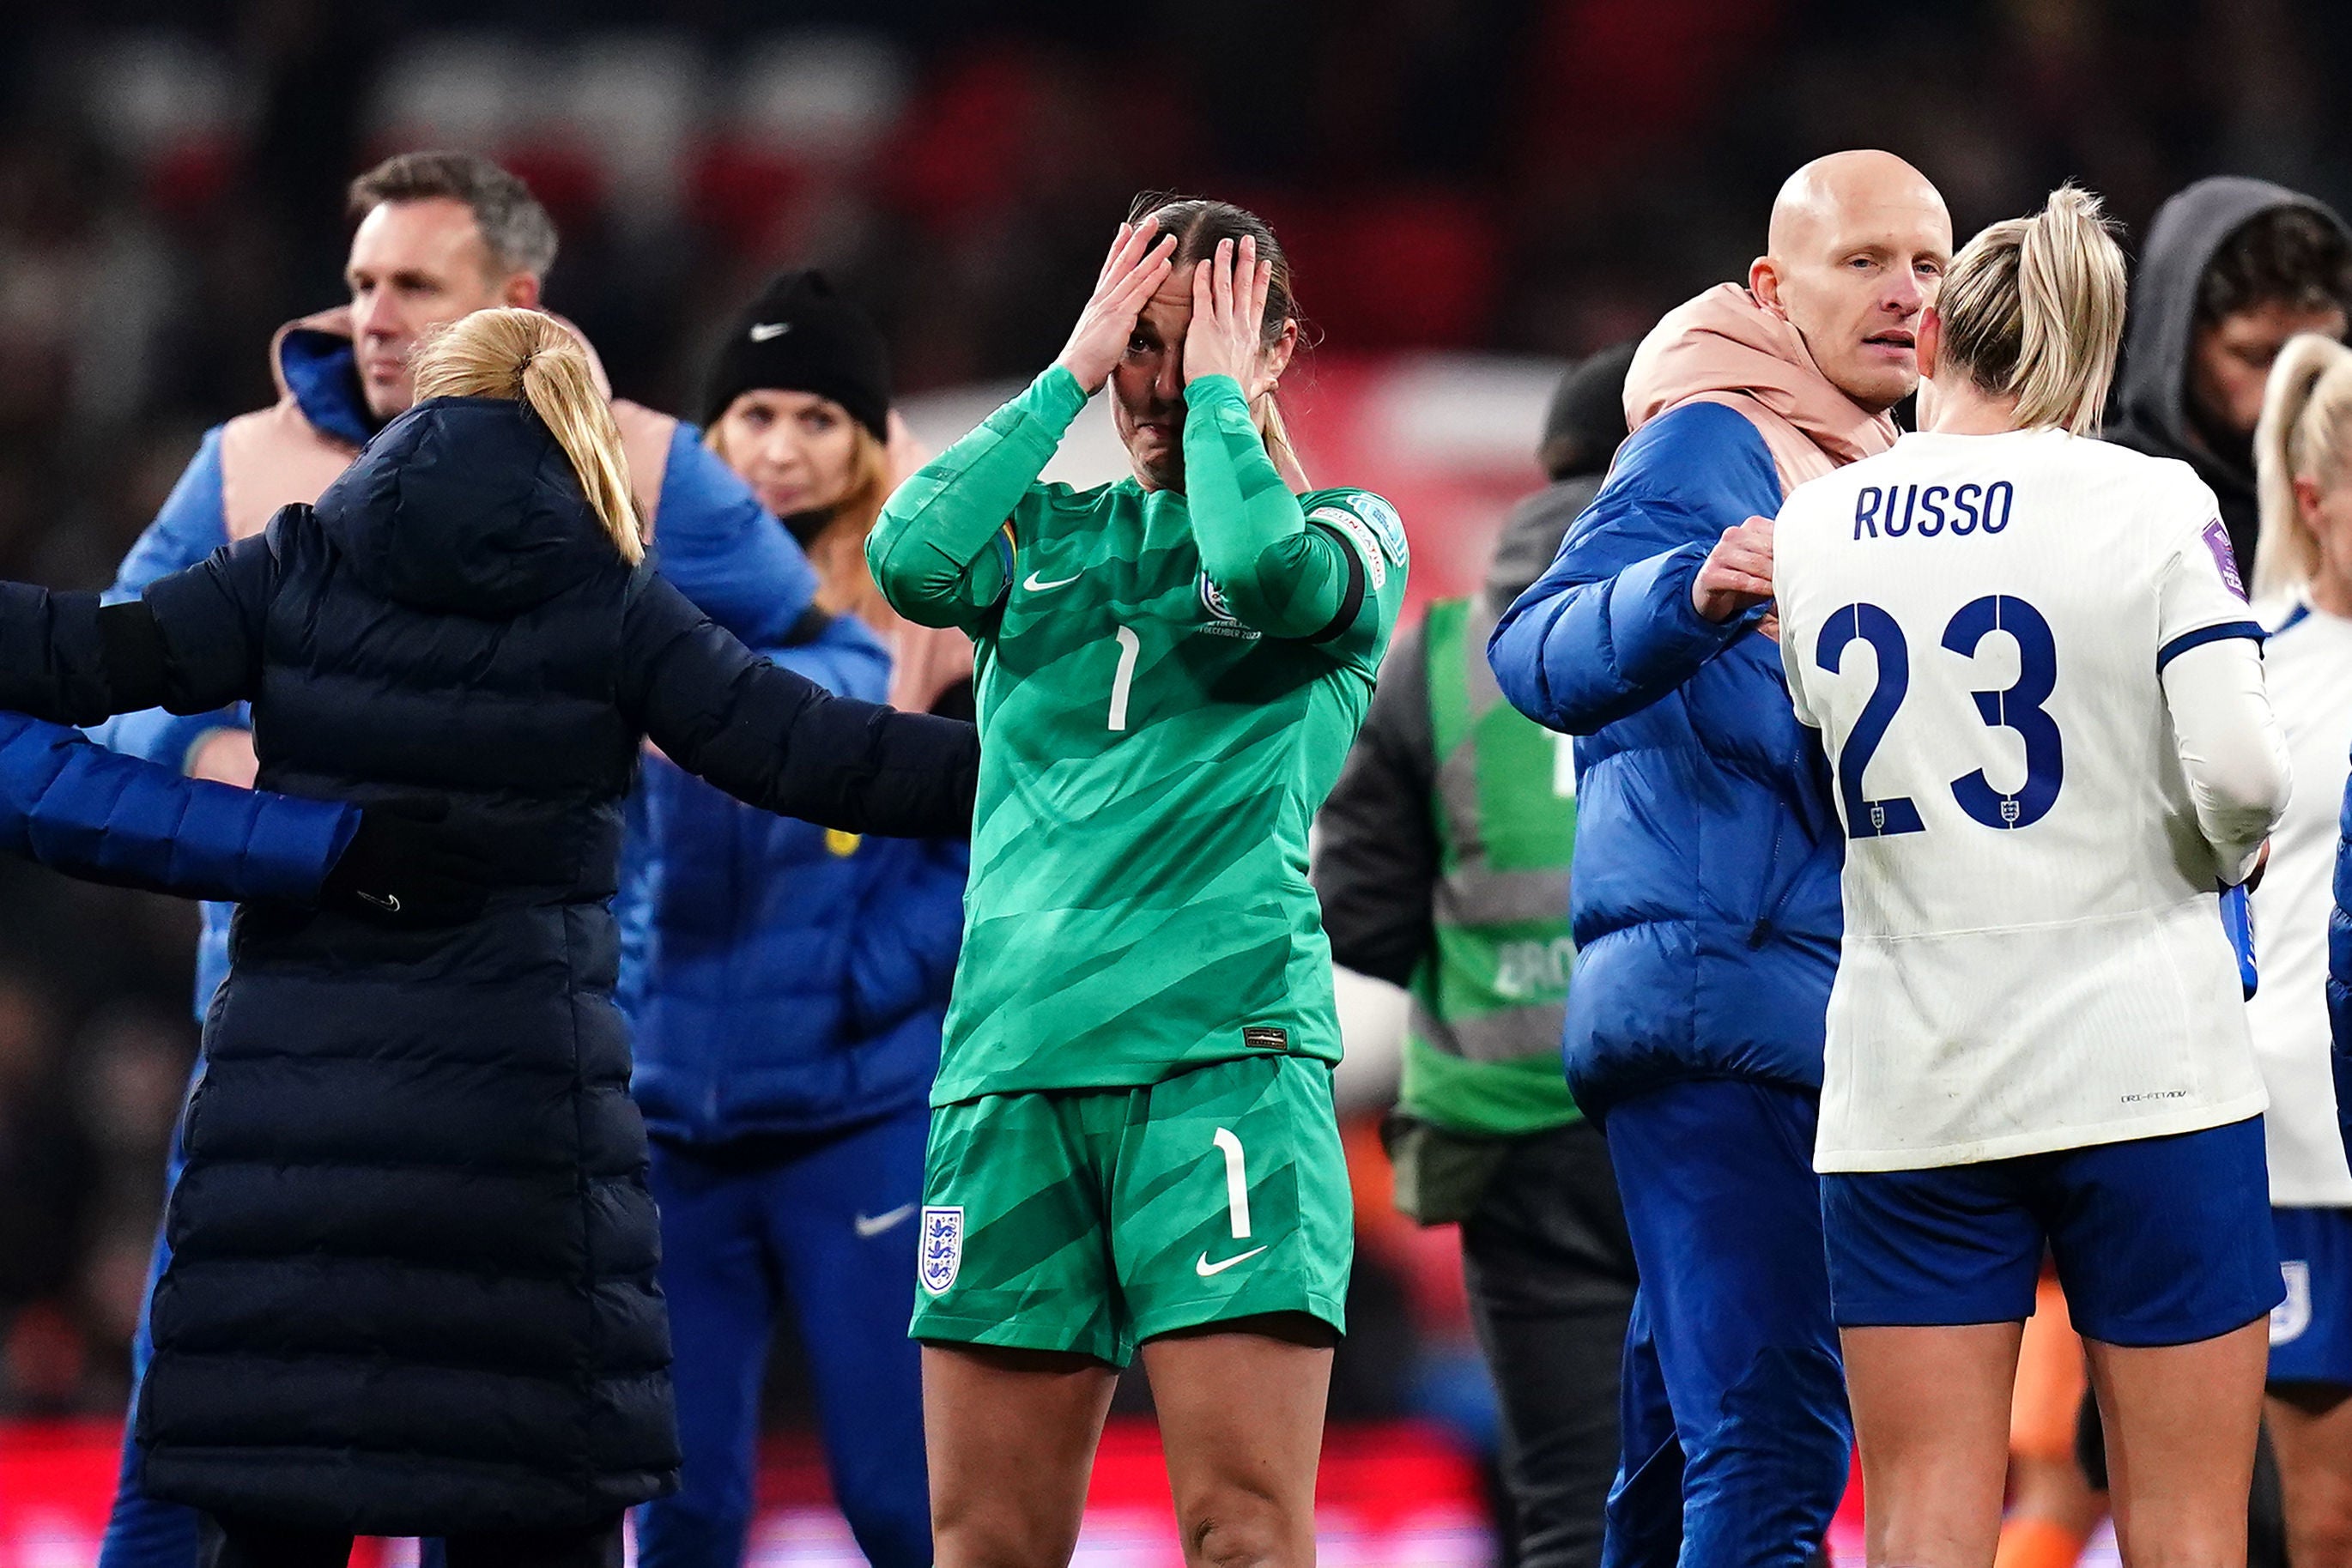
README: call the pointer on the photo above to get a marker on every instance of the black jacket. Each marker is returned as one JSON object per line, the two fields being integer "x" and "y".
{"x": 2150, "y": 411}
{"x": 1377, "y": 852}
{"x": 412, "y": 1285}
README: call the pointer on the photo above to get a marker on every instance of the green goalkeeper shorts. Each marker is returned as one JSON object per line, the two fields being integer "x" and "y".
{"x": 1090, "y": 1220}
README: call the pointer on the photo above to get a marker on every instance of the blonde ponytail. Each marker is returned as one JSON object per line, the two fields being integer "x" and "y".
{"x": 529, "y": 357}
{"x": 2034, "y": 306}
{"x": 2306, "y": 430}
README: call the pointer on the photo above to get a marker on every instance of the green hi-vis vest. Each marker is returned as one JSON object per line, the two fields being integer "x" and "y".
{"x": 1482, "y": 1046}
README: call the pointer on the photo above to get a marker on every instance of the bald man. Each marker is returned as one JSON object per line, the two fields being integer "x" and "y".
{"x": 1704, "y": 900}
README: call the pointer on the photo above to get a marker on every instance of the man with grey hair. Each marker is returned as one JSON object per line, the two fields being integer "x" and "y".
{"x": 439, "y": 235}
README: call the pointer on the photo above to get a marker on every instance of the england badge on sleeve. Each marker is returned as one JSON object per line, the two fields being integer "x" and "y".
{"x": 942, "y": 1244}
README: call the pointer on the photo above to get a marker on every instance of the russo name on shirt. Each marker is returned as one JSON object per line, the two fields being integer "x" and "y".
{"x": 1924, "y": 511}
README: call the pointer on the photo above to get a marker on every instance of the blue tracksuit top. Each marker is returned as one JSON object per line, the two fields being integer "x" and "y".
{"x": 781, "y": 978}
{"x": 1704, "y": 897}
{"x": 714, "y": 542}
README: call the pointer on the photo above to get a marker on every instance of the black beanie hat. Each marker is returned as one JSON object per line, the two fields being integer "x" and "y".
{"x": 800, "y": 334}
{"x": 1586, "y": 422}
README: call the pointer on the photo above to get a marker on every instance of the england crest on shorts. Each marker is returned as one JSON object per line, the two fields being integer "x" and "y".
{"x": 943, "y": 1247}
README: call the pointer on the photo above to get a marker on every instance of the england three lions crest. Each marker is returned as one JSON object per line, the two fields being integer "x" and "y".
{"x": 943, "y": 1249}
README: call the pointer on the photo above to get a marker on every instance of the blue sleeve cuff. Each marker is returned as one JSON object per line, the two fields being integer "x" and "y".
{"x": 2204, "y": 634}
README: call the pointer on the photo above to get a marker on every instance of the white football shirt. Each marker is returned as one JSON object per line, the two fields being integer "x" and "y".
{"x": 2307, "y": 666}
{"x": 2033, "y": 956}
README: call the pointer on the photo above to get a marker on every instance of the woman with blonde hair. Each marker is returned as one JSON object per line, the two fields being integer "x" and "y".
{"x": 2302, "y": 583}
{"x": 786, "y": 987}
{"x": 412, "y": 1284}
{"x": 2041, "y": 694}
{"x": 798, "y": 404}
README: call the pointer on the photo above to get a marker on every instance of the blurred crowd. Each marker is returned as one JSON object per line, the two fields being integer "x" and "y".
{"x": 1523, "y": 176}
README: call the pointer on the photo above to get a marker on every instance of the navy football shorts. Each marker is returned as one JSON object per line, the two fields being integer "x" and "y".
{"x": 2311, "y": 1330}
{"x": 2157, "y": 1242}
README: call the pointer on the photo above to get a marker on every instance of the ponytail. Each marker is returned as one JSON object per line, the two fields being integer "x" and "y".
{"x": 1276, "y": 436}
{"x": 2034, "y": 308}
{"x": 529, "y": 357}
{"x": 2306, "y": 429}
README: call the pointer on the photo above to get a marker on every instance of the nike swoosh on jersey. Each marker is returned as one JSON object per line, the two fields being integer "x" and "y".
{"x": 1205, "y": 1268}
{"x": 763, "y": 330}
{"x": 1033, "y": 586}
{"x": 870, "y": 1227}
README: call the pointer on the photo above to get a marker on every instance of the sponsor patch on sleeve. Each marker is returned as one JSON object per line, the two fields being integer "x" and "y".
{"x": 2217, "y": 539}
{"x": 1360, "y": 532}
{"x": 1386, "y": 524}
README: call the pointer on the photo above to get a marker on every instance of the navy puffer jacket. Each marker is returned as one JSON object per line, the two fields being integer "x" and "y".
{"x": 412, "y": 1283}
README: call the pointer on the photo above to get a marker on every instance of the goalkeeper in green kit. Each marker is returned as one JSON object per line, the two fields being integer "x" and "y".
{"x": 1132, "y": 1140}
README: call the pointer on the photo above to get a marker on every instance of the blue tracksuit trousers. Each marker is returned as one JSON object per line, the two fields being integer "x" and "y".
{"x": 1737, "y": 1435}
{"x": 829, "y": 1224}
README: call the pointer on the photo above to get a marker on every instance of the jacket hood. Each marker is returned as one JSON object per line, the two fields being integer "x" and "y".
{"x": 1723, "y": 341}
{"x": 317, "y": 369}
{"x": 2150, "y": 409}
{"x": 465, "y": 506}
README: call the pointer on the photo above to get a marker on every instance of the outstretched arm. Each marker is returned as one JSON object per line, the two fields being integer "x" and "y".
{"x": 104, "y": 817}
{"x": 190, "y": 643}
{"x": 781, "y": 742}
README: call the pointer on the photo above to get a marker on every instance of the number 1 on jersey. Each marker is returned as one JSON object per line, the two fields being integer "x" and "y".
{"x": 1122, "y": 680}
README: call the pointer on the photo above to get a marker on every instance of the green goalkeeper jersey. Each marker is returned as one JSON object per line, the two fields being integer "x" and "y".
{"x": 1167, "y": 685}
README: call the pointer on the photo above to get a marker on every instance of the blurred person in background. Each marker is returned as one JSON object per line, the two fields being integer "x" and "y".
{"x": 799, "y": 407}
{"x": 1706, "y": 900}
{"x": 1442, "y": 865}
{"x": 787, "y": 986}
{"x": 2232, "y": 268}
{"x": 2302, "y": 587}
{"x": 411, "y": 1287}
{"x": 439, "y": 235}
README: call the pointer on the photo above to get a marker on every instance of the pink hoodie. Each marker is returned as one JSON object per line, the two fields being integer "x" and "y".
{"x": 1723, "y": 347}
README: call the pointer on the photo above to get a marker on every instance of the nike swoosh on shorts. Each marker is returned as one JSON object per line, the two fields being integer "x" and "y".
{"x": 763, "y": 330}
{"x": 868, "y": 1227}
{"x": 1205, "y": 1268}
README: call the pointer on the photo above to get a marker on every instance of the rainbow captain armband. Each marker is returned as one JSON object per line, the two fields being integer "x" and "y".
{"x": 2238, "y": 922}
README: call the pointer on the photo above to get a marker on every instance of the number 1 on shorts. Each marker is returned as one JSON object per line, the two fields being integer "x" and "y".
{"x": 1236, "y": 1183}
